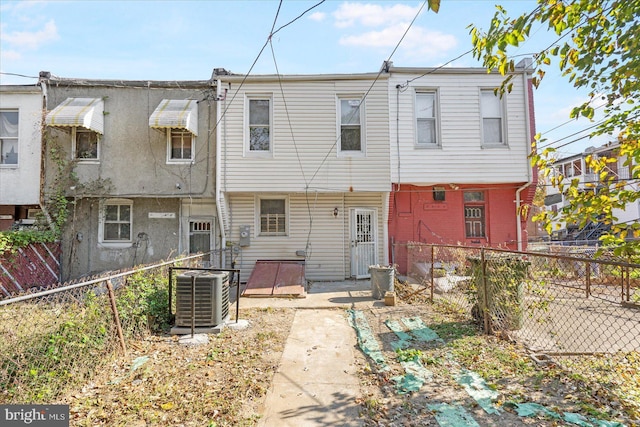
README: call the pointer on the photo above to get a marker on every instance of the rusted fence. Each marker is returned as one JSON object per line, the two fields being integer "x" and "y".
{"x": 554, "y": 304}
{"x": 52, "y": 340}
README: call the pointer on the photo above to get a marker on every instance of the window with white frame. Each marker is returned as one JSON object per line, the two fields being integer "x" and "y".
{"x": 85, "y": 144}
{"x": 259, "y": 125}
{"x": 180, "y": 145}
{"x": 426, "y": 119}
{"x": 116, "y": 221}
{"x": 474, "y": 214}
{"x": 273, "y": 216}
{"x": 491, "y": 106}
{"x": 351, "y": 128}
{"x": 9, "y": 137}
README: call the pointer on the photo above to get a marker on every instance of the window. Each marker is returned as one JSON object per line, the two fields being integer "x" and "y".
{"x": 350, "y": 124}
{"x": 474, "y": 214}
{"x": 273, "y": 217}
{"x": 259, "y": 125}
{"x": 180, "y": 145}
{"x": 426, "y": 125}
{"x": 9, "y": 137}
{"x": 572, "y": 169}
{"x": 438, "y": 194}
{"x": 492, "y": 126}
{"x": 85, "y": 144}
{"x": 116, "y": 220}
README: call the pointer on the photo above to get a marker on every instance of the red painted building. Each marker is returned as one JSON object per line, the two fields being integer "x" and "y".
{"x": 460, "y": 165}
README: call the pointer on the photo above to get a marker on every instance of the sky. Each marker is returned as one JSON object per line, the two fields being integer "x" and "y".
{"x": 186, "y": 40}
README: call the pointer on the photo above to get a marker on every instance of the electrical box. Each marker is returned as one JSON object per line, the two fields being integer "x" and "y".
{"x": 245, "y": 235}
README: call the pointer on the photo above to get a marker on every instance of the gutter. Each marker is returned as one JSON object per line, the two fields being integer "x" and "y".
{"x": 529, "y": 167}
{"x": 223, "y": 237}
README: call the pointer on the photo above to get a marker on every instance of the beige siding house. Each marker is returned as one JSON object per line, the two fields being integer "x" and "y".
{"x": 303, "y": 170}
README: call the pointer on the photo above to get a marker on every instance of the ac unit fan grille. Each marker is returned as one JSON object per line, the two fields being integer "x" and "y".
{"x": 211, "y": 303}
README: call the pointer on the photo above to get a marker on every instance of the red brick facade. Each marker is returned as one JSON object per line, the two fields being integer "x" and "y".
{"x": 416, "y": 217}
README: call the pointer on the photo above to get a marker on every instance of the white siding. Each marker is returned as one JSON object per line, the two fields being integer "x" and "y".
{"x": 460, "y": 158}
{"x": 304, "y": 137}
{"x": 312, "y": 227}
{"x": 20, "y": 184}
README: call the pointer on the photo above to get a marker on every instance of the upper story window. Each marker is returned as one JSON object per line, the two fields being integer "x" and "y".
{"x": 273, "y": 216}
{"x": 180, "y": 145}
{"x": 573, "y": 168}
{"x": 491, "y": 106}
{"x": 86, "y": 144}
{"x": 351, "y": 125}
{"x": 116, "y": 221}
{"x": 179, "y": 117}
{"x": 9, "y": 137}
{"x": 426, "y": 119}
{"x": 85, "y": 118}
{"x": 259, "y": 132}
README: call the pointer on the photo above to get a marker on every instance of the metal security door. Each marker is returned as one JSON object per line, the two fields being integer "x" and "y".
{"x": 363, "y": 241}
{"x": 200, "y": 237}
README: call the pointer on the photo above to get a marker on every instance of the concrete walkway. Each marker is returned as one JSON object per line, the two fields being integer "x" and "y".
{"x": 316, "y": 383}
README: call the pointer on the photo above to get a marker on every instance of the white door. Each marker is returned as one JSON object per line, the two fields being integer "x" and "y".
{"x": 363, "y": 241}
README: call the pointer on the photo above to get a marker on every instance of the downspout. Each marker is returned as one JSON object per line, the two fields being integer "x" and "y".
{"x": 398, "y": 87}
{"x": 223, "y": 237}
{"x": 398, "y": 130}
{"x": 43, "y": 149}
{"x": 529, "y": 171}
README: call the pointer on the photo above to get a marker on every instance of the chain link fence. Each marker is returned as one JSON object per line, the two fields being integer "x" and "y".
{"x": 555, "y": 304}
{"x": 52, "y": 340}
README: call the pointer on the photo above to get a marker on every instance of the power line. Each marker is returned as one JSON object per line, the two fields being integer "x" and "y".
{"x": 19, "y": 75}
{"x": 370, "y": 88}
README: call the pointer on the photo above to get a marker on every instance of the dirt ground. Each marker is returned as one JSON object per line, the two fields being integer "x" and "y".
{"x": 224, "y": 382}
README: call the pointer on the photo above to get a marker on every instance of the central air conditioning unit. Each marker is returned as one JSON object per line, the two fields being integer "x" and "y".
{"x": 210, "y": 302}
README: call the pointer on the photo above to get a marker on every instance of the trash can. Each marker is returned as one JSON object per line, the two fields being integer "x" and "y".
{"x": 501, "y": 293}
{"x": 382, "y": 278}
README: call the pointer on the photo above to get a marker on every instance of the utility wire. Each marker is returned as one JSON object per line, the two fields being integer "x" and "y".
{"x": 295, "y": 146}
{"x": 369, "y": 90}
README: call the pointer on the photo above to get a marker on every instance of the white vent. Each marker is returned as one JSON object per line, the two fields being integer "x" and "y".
{"x": 211, "y": 302}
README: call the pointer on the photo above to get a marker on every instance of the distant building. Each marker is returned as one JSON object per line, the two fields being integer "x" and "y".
{"x": 575, "y": 167}
{"x": 20, "y": 155}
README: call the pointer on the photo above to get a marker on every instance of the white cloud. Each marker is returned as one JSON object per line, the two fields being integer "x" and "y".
{"x": 370, "y": 15}
{"x": 418, "y": 40}
{"x": 10, "y": 55}
{"x": 318, "y": 16}
{"x": 32, "y": 39}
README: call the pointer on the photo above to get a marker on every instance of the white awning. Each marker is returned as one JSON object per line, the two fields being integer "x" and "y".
{"x": 85, "y": 112}
{"x": 176, "y": 114}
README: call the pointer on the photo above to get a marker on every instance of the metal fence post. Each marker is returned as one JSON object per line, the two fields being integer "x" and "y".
{"x": 433, "y": 261}
{"x": 487, "y": 323}
{"x": 193, "y": 304}
{"x": 627, "y": 282}
{"x": 116, "y": 317}
{"x": 588, "y": 273}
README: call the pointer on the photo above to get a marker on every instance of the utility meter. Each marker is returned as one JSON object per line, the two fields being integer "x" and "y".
{"x": 245, "y": 235}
